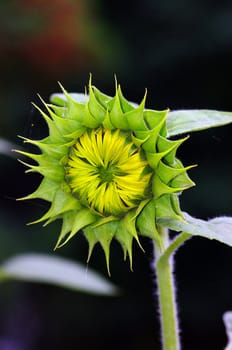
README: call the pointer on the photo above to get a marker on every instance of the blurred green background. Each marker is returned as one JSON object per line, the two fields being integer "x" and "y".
{"x": 179, "y": 50}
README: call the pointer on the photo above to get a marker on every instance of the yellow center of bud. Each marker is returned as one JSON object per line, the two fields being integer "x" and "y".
{"x": 107, "y": 172}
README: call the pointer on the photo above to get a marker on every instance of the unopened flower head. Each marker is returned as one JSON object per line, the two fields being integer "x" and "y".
{"x": 108, "y": 169}
{"x": 107, "y": 172}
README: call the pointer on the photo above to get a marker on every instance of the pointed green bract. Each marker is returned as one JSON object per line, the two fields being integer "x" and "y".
{"x": 108, "y": 169}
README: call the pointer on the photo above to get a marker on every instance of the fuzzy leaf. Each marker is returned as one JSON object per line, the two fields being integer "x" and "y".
{"x": 57, "y": 271}
{"x": 218, "y": 228}
{"x": 184, "y": 121}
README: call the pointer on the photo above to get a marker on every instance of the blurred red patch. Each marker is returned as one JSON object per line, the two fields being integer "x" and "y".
{"x": 55, "y": 42}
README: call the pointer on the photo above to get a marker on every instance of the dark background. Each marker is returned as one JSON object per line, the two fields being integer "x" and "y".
{"x": 179, "y": 50}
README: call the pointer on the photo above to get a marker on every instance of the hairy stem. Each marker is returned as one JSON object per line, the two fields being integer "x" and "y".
{"x": 174, "y": 245}
{"x": 166, "y": 293}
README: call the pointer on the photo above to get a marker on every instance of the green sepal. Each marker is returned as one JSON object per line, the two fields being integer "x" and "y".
{"x": 166, "y": 151}
{"x": 164, "y": 144}
{"x": 176, "y": 205}
{"x": 125, "y": 105}
{"x": 168, "y": 206}
{"x": 44, "y": 162}
{"x": 92, "y": 240}
{"x": 67, "y": 224}
{"x": 64, "y": 123}
{"x": 66, "y": 126}
{"x": 89, "y": 120}
{"x": 58, "y": 110}
{"x": 129, "y": 221}
{"x": 54, "y": 134}
{"x": 74, "y": 109}
{"x": 83, "y": 218}
{"x": 159, "y": 187}
{"x": 107, "y": 123}
{"x": 168, "y": 173}
{"x": 142, "y": 134}
{"x": 135, "y": 117}
{"x": 103, "y": 220}
{"x": 140, "y": 207}
{"x": 150, "y": 137}
{"x": 156, "y": 122}
{"x": 52, "y": 150}
{"x": 150, "y": 143}
{"x": 156, "y": 119}
{"x": 74, "y": 136}
{"x": 153, "y": 159}
{"x": 182, "y": 180}
{"x": 102, "y": 234}
{"x": 35, "y": 157}
{"x": 138, "y": 142}
{"x": 146, "y": 222}
{"x": 126, "y": 242}
{"x": 95, "y": 108}
{"x": 61, "y": 203}
{"x": 116, "y": 115}
{"x": 46, "y": 190}
{"x": 102, "y": 98}
{"x": 56, "y": 174}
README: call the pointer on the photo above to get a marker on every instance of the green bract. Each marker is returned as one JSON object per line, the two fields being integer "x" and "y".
{"x": 108, "y": 169}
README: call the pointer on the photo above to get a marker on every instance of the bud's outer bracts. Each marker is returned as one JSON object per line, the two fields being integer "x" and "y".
{"x": 108, "y": 169}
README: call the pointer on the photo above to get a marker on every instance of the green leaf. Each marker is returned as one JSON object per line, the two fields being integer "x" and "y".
{"x": 184, "y": 121}
{"x": 57, "y": 271}
{"x": 218, "y": 228}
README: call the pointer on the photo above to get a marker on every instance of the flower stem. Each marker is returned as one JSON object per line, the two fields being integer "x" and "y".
{"x": 166, "y": 293}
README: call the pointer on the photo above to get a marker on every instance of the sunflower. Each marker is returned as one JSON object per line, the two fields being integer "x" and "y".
{"x": 108, "y": 169}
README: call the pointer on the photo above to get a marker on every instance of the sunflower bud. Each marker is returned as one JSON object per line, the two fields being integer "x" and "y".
{"x": 108, "y": 169}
